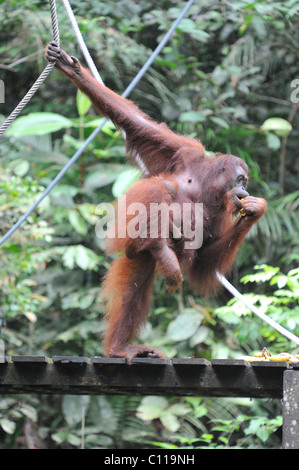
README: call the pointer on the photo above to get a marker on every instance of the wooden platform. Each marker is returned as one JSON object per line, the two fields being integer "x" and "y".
{"x": 98, "y": 375}
{"x": 176, "y": 377}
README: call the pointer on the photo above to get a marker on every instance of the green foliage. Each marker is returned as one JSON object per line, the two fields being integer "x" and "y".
{"x": 83, "y": 103}
{"x": 225, "y": 77}
{"x": 185, "y": 325}
{"x": 278, "y": 125}
{"x": 38, "y": 124}
{"x": 158, "y": 408}
{"x": 280, "y": 303}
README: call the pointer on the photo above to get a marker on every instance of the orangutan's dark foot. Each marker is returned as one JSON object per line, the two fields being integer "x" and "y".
{"x": 138, "y": 350}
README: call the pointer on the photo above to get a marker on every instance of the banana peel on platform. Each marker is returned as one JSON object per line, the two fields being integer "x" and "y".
{"x": 266, "y": 356}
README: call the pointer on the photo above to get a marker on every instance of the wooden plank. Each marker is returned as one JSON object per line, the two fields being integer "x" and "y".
{"x": 229, "y": 362}
{"x": 190, "y": 362}
{"x": 179, "y": 377}
{"x": 269, "y": 364}
{"x": 70, "y": 360}
{"x": 154, "y": 362}
{"x": 290, "y": 402}
{"x": 107, "y": 360}
{"x": 29, "y": 359}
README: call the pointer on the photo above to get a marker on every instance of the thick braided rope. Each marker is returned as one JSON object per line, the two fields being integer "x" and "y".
{"x": 26, "y": 99}
{"x": 54, "y": 20}
{"x": 40, "y": 79}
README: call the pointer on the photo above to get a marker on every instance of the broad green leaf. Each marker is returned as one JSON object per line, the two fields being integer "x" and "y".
{"x": 273, "y": 141}
{"x": 21, "y": 168}
{"x": 7, "y": 425}
{"x": 220, "y": 122}
{"x": 280, "y": 126}
{"x": 124, "y": 181}
{"x": 72, "y": 407}
{"x": 69, "y": 257}
{"x": 28, "y": 411}
{"x": 227, "y": 315}
{"x": 83, "y": 103}
{"x": 178, "y": 409}
{"x": 111, "y": 152}
{"x": 62, "y": 195}
{"x": 65, "y": 190}
{"x": 88, "y": 211}
{"x": 38, "y": 124}
{"x": 282, "y": 281}
{"x": 263, "y": 434}
{"x": 254, "y": 425}
{"x": 151, "y": 407}
{"x": 192, "y": 116}
{"x": 103, "y": 415}
{"x": 86, "y": 258}
{"x": 170, "y": 421}
{"x": 66, "y": 437}
{"x": 98, "y": 179}
{"x": 75, "y": 300}
{"x": 102, "y": 176}
{"x": 185, "y": 325}
{"x": 108, "y": 128}
{"x": 81, "y": 256}
{"x": 190, "y": 27}
{"x": 220, "y": 75}
{"x": 200, "y": 336}
{"x": 77, "y": 222}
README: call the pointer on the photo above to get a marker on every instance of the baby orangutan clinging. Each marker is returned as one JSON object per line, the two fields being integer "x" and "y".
{"x": 177, "y": 172}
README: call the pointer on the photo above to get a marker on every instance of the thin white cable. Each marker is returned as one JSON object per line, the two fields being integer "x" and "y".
{"x": 251, "y": 307}
{"x": 81, "y": 42}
